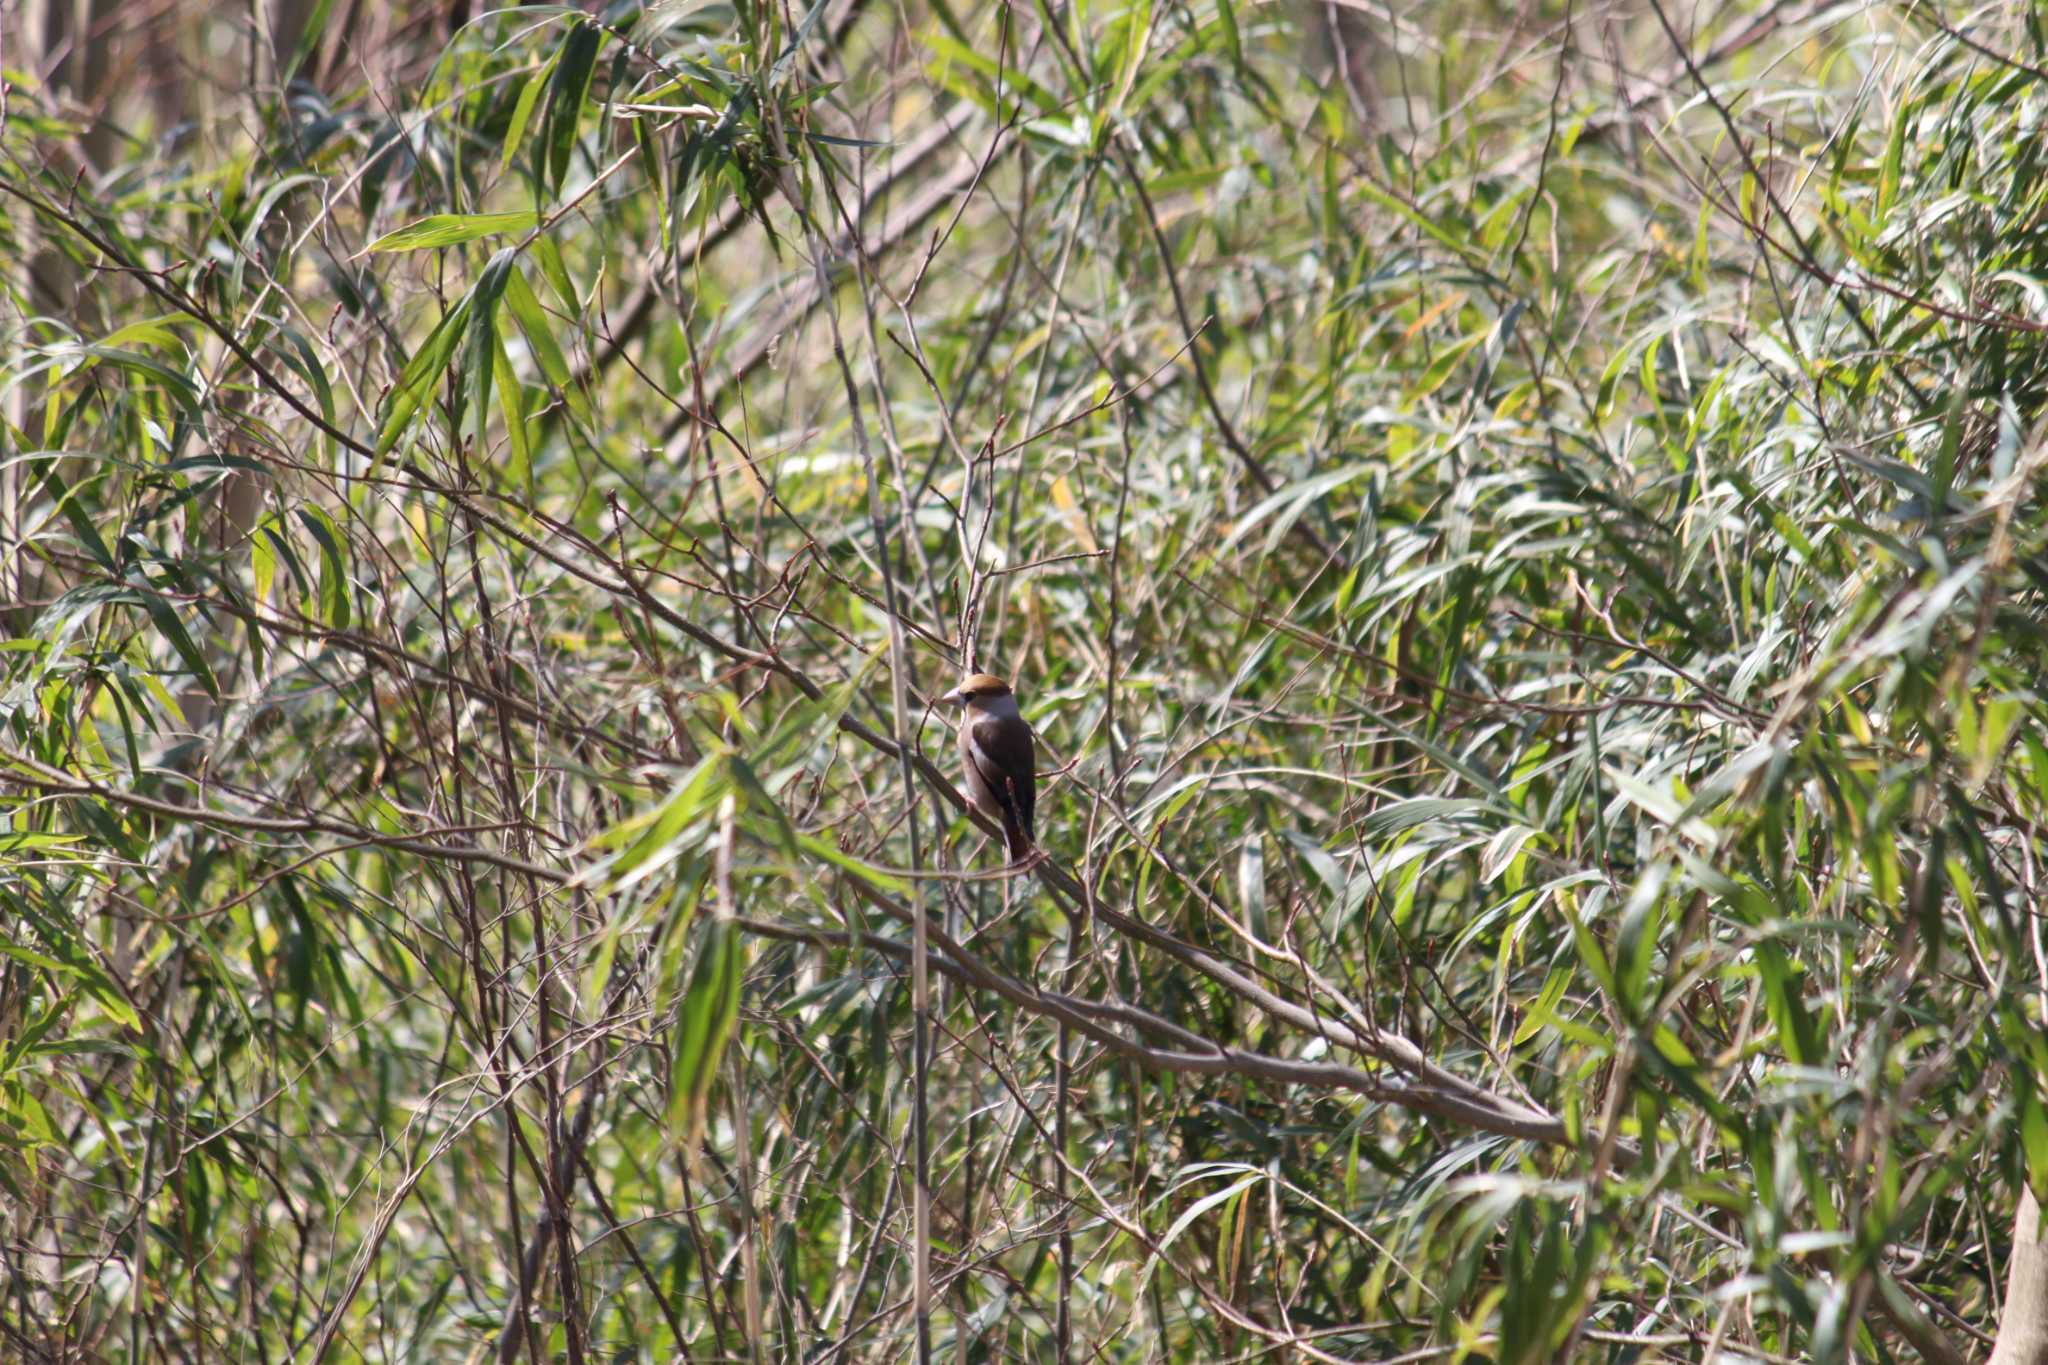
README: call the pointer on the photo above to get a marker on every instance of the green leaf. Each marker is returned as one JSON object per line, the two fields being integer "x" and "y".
{"x": 522, "y": 112}
{"x": 67, "y": 502}
{"x": 533, "y": 325}
{"x": 157, "y": 331}
{"x": 451, "y": 229}
{"x": 483, "y": 334}
{"x": 758, "y": 800}
{"x": 1945, "y": 459}
{"x": 1888, "y": 171}
{"x": 1636, "y": 940}
{"x": 263, "y": 563}
{"x": 653, "y": 840}
{"x": 512, "y": 404}
{"x": 816, "y": 721}
{"x": 421, "y": 373}
{"x": 310, "y": 34}
{"x": 825, "y": 849}
{"x": 171, "y": 628}
{"x": 1786, "y": 1007}
{"x": 147, "y": 366}
{"x": 1591, "y": 953}
{"x": 334, "y": 580}
{"x": 2033, "y": 1130}
{"x": 703, "y": 1026}
{"x": 1188, "y": 1216}
{"x": 1251, "y": 882}
{"x": 566, "y": 94}
{"x": 557, "y": 274}
{"x": 1540, "y": 1013}
{"x": 955, "y": 53}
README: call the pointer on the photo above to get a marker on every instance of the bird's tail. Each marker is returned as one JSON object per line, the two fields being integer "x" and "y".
{"x": 1017, "y": 839}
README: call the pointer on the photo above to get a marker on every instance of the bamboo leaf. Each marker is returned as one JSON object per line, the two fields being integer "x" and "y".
{"x": 452, "y": 229}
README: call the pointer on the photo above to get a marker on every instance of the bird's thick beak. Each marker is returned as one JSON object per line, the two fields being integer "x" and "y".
{"x": 952, "y": 698}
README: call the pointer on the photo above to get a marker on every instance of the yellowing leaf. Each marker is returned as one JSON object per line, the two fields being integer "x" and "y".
{"x": 1063, "y": 498}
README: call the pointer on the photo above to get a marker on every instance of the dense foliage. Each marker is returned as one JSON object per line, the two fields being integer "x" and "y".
{"x": 1518, "y": 529}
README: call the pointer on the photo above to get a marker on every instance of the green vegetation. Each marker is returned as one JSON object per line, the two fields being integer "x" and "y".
{"x": 1518, "y": 528}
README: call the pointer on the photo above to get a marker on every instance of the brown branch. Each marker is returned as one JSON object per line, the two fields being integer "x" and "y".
{"x": 426, "y": 843}
{"x": 752, "y": 353}
{"x": 1439, "y": 1094}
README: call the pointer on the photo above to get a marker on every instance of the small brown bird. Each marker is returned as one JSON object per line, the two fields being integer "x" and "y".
{"x": 996, "y": 753}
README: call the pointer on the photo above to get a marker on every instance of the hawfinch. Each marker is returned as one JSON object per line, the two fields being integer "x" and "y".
{"x": 996, "y": 754}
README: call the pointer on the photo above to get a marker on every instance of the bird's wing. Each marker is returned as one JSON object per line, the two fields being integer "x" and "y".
{"x": 1001, "y": 750}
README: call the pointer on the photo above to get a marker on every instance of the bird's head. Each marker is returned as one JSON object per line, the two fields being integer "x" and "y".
{"x": 980, "y": 690}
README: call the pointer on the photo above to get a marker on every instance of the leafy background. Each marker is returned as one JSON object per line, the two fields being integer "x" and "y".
{"x": 1516, "y": 526}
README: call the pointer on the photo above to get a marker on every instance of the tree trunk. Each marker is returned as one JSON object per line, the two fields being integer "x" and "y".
{"x": 2023, "y": 1330}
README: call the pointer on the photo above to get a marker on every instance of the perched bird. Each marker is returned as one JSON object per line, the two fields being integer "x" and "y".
{"x": 996, "y": 753}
